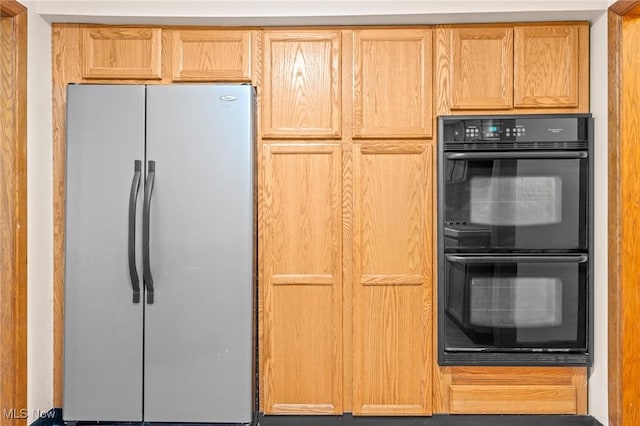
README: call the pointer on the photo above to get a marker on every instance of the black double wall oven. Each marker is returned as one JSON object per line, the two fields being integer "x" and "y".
{"x": 515, "y": 219}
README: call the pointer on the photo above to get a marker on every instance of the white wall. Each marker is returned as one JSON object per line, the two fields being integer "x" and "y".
{"x": 40, "y": 215}
{"x": 267, "y": 12}
{"x": 598, "y": 383}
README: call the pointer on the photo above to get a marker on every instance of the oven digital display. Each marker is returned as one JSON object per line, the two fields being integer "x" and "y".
{"x": 491, "y": 130}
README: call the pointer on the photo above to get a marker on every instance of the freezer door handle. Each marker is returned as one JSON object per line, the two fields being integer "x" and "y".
{"x": 146, "y": 219}
{"x": 133, "y": 200}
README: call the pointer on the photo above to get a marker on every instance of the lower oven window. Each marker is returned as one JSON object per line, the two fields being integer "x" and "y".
{"x": 522, "y": 302}
{"x": 506, "y": 304}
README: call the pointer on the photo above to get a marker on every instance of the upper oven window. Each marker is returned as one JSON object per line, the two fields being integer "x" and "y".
{"x": 512, "y": 201}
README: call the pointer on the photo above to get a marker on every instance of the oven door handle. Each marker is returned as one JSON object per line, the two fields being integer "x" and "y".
{"x": 513, "y": 259}
{"x": 524, "y": 155}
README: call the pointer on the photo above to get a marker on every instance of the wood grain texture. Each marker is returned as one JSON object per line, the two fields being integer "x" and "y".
{"x": 629, "y": 221}
{"x": 581, "y": 386}
{"x": 624, "y": 7}
{"x": 517, "y": 390}
{"x": 615, "y": 336}
{"x": 442, "y": 70}
{"x": 392, "y": 92}
{"x": 302, "y": 278}
{"x": 550, "y": 82}
{"x": 392, "y": 316}
{"x": 547, "y": 64}
{"x": 211, "y": 55}
{"x": 11, "y": 9}
{"x": 121, "y": 53}
{"x": 513, "y": 399}
{"x": 347, "y": 223}
{"x": 302, "y": 84}
{"x": 13, "y": 210}
{"x": 481, "y": 68}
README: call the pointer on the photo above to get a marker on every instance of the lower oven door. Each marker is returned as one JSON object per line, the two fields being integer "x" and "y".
{"x": 494, "y": 309}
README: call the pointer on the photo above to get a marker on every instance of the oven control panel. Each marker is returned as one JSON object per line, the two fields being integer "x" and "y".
{"x": 524, "y": 128}
{"x": 493, "y": 131}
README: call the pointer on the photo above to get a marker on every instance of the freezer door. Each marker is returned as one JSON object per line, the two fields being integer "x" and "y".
{"x": 102, "y": 324}
{"x": 199, "y": 328}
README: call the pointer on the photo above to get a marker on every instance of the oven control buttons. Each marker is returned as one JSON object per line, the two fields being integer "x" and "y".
{"x": 516, "y": 131}
{"x": 472, "y": 132}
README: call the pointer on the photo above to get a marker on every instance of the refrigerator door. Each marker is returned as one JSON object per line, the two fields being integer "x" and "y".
{"x": 199, "y": 328}
{"x": 103, "y": 325}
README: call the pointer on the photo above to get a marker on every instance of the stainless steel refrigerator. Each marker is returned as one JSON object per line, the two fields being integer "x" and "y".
{"x": 160, "y": 254}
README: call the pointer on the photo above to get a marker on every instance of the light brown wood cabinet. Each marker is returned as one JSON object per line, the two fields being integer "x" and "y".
{"x": 300, "y": 242}
{"x": 211, "y": 55}
{"x": 166, "y": 55}
{"x": 345, "y": 231}
{"x": 392, "y": 86}
{"x": 392, "y": 279}
{"x": 481, "y": 68}
{"x": 522, "y": 68}
{"x": 301, "y": 84}
{"x": 121, "y": 53}
{"x": 345, "y": 193}
{"x": 548, "y": 61}
{"x": 512, "y": 390}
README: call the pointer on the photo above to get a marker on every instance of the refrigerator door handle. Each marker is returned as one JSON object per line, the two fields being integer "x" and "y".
{"x": 146, "y": 219}
{"x": 133, "y": 200}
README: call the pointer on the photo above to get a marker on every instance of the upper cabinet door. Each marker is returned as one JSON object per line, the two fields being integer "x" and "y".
{"x": 547, "y": 66}
{"x": 211, "y": 55}
{"x": 121, "y": 53}
{"x": 392, "y": 83}
{"x": 481, "y": 68}
{"x": 301, "y": 84}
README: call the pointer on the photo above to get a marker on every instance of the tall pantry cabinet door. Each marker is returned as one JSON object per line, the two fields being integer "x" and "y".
{"x": 481, "y": 67}
{"x": 301, "y": 92}
{"x": 199, "y": 328}
{"x": 102, "y": 321}
{"x": 392, "y": 83}
{"x": 301, "y": 248}
{"x": 392, "y": 354}
{"x": 547, "y": 66}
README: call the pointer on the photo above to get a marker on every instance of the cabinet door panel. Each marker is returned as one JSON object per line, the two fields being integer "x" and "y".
{"x": 301, "y": 246}
{"x": 481, "y": 68}
{"x": 392, "y": 279}
{"x": 121, "y": 53}
{"x": 547, "y": 66}
{"x": 392, "y": 83}
{"x": 517, "y": 390}
{"x": 211, "y": 55}
{"x": 301, "y": 84}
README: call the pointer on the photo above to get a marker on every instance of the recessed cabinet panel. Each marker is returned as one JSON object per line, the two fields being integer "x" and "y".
{"x": 121, "y": 53}
{"x": 481, "y": 68}
{"x": 392, "y": 83}
{"x": 211, "y": 55}
{"x": 547, "y": 66}
{"x": 301, "y": 244}
{"x": 392, "y": 279}
{"x": 516, "y": 390}
{"x": 301, "y": 84}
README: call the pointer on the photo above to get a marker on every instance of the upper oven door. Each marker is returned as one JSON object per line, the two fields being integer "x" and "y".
{"x": 530, "y": 200}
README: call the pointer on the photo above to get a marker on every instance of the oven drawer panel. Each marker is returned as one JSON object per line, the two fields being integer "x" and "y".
{"x": 513, "y": 399}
